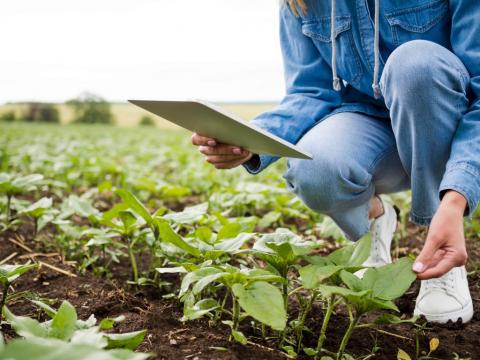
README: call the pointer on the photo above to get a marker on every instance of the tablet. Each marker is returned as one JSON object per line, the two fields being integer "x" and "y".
{"x": 210, "y": 121}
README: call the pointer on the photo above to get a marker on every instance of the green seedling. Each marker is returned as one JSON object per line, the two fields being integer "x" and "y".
{"x": 249, "y": 289}
{"x": 8, "y": 274}
{"x": 281, "y": 251}
{"x": 65, "y": 336}
{"x": 376, "y": 290}
{"x": 159, "y": 226}
{"x": 125, "y": 225}
{"x": 326, "y": 270}
{"x": 36, "y": 211}
{"x": 12, "y": 186}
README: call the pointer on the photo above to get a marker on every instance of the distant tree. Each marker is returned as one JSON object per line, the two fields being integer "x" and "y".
{"x": 91, "y": 109}
{"x": 41, "y": 112}
{"x": 8, "y": 116}
{"x": 146, "y": 120}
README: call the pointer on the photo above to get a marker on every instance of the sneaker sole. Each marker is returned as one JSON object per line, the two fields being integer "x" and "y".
{"x": 465, "y": 314}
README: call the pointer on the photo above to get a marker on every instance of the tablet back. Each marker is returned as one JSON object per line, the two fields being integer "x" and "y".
{"x": 208, "y": 120}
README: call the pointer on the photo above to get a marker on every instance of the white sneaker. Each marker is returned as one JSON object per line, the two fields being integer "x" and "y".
{"x": 445, "y": 298}
{"x": 381, "y": 230}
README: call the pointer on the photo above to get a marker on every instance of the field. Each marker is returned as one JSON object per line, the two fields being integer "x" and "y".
{"x": 127, "y": 115}
{"x": 132, "y": 226}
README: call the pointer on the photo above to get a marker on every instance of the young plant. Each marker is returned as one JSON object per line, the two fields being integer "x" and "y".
{"x": 67, "y": 337}
{"x": 249, "y": 289}
{"x": 325, "y": 270}
{"x": 12, "y": 186}
{"x": 125, "y": 225}
{"x": 8, "y": 274}
{"x": 376, "y": 290}
{"x": 35, "y": 211}
{"x": 281, "y": 251}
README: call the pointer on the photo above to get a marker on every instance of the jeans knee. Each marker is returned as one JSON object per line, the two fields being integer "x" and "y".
{"x": 417, "y": 69}
{"x": 326, "y": 184}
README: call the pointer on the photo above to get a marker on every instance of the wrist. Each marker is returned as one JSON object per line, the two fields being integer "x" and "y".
{"x": 454, "y": 201}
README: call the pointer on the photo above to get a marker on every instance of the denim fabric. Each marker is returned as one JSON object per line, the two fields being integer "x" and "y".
{"x": 356, "y": 156}
{"x": 435, "y": 82}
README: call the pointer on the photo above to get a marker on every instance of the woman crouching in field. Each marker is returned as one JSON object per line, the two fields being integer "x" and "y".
{"x": 417, "y": 127}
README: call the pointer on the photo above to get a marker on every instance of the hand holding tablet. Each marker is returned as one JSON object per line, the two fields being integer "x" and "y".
{"x": 213, "y": 123}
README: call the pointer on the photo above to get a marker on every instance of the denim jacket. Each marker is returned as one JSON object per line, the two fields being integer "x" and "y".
{"x": 307, "y": 52}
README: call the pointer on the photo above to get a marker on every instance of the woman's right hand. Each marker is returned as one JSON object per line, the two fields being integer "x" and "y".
{"x": 222, "y": 156}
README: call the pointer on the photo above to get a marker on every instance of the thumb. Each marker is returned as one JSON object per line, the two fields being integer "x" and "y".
{"x": 426, "y": 255}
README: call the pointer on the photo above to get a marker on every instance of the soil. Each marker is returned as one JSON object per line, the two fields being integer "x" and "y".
{"x": 169, "y": 338}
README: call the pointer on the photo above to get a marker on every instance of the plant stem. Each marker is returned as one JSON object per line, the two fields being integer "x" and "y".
{"x": 133, "y": 261}
{"x": 236, "y": 312}
{"x": 4, "y": 298}
{"x": 351, "y": 326}
{"x": 326, "y": 320}
{"x": 35, "y": 228}
{"x": 305, "y": 312}
{"x": 9, "y": 201}
{"x": 285, "y": 302}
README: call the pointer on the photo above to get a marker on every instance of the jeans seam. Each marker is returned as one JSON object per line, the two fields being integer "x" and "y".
{"x": 380, "y": 157}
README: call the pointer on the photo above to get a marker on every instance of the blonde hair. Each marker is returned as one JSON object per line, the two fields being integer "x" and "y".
{"x": 295, "y": 4}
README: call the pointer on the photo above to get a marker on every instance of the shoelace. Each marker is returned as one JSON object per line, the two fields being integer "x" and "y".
{"x": 445, "y": 282}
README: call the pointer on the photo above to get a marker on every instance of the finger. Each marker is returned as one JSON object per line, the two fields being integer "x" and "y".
{"x": 202, "y": 140}
{"x": 443, "y": 266}
{"x": 233, "y": 164}
{"x": 217, "y": 159}
{"x": 423, "y": 260}
{"x": 222, "y": 150}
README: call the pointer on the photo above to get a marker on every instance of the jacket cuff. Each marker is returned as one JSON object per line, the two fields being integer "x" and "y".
{"x": 258, "y": 163}
{"x": 465, "y": 179}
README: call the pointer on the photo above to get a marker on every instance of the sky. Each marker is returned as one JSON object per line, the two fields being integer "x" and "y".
{"x": 217, "y": 50}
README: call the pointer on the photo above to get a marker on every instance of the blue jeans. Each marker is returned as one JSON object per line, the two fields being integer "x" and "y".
{"x": 356, "y": 156}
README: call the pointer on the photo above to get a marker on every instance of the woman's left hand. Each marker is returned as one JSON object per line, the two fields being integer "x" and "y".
{"x": 444, "y": 248}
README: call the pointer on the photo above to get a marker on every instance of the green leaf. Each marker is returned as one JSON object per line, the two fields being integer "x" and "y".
{"x": 232, "y": 245}
{"x": 390, "y": 281}
{"x": 313, "y": 275}
{"x": 310, "y": 351}
{"x": 269, "y": 218}
{"x": 205, "y": 281}
{"x": 204, "y": 234}
{"x": 239, "y": 337}
{"x": 352, "y": 281}
{"x": 352, "y": 255}
{"x": 107, "y": 323}
{"x": 9, "y": 273}
{"x": 189, "y": 215}
{"x": 199, "y": 309}
{"x": 168, "y": 235}
{"x": 64, "y": 322}
{"x": 38, "y": 208}
{"x": 129, "y": 340}
{"x": 46, "y": 308}
{"x": 128, "y": 219}
{"x": 393, "y": 319}
{"x": 194, "y": 276}
{"x": 229, "y": 231}
{"x": 135, "y": 205}
{"x": 290, "y": 351}
{"x": 24, "y": 326}
{"x": 263, "y": 302}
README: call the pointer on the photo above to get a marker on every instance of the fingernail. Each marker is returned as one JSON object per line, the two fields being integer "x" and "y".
{"x": 418, "y": 267}
{"x": 237, "y": 151}
{"x": 211, "y": 143}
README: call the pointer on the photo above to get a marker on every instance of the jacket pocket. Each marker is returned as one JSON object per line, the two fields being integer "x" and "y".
{"x": 418, "y": 22}
{"x": 349, "y": 65}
